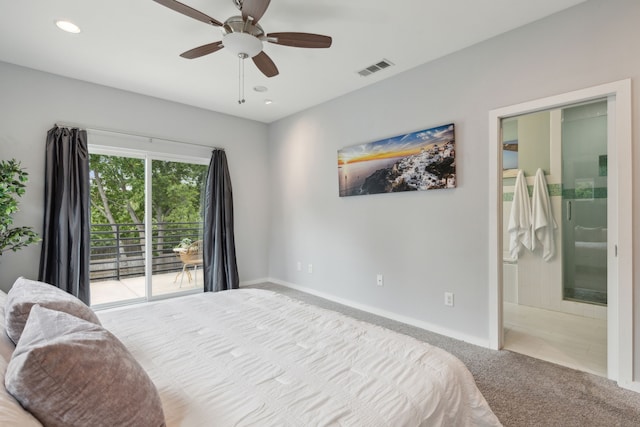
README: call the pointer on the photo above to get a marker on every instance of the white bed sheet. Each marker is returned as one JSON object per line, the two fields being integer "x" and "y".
{"x": 257, "y": 358}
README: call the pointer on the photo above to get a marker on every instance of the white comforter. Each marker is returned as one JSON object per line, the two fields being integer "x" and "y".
{"x": 256, "y": 358}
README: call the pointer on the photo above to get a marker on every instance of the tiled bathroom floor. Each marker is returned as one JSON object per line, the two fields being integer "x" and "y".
{"x": 573, "y": 341}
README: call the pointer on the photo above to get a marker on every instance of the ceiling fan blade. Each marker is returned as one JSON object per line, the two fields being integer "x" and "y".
{"x": 300, "y": 40}
{"x": 189, "y": 11}
{"x": 265, "y": 64}
{"x": 254, "y": 9}
{"x": 203, "y": 50}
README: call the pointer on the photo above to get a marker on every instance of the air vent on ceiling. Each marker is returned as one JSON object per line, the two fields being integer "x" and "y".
{"x": 375, "y": 68}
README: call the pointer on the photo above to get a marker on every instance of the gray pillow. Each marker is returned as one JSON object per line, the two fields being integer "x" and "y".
{"x": 26, "y": 293}
{"x": 70, "y": 372}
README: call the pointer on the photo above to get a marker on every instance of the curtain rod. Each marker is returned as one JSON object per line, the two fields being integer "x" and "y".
{"x": 119, "y": 132}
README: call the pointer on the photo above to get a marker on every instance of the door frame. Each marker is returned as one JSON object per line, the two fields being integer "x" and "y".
{"x": 147, "y": 156}
{"x": 620, "y": 243}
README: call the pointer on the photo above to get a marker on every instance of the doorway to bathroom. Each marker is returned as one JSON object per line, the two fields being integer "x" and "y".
{"x": 561, "y": 265}
{"x": 554, "y": 197}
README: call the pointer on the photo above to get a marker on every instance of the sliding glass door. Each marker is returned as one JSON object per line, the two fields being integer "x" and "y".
{"x": 117, "y": 259}
{"x": 146, "y": 229}
{"x": 176, "y": 212}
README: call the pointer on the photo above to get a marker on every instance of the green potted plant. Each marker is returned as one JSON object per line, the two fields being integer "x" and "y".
{"x": 13, "y": 180}
{"x": 184, "y": 243}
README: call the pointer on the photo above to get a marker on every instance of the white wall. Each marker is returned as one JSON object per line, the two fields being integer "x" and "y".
{"x": 430, "y": 242}
{"x": 31, "y": 102}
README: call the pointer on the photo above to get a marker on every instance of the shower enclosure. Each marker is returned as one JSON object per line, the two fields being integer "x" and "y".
{"x": 584, "y": 203}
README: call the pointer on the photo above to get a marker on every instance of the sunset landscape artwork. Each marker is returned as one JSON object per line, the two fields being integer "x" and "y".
{"x": 421, "y": 160}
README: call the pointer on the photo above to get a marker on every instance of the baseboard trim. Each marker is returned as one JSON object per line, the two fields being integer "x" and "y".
{"x": 633, "y": 386}
{"x": 253, "y": 282}
{"x": 384, "y": 313}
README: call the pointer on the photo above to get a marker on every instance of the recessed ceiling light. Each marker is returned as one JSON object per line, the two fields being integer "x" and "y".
{"x": 268, "y": 101}
{"x": 67, "y": 26}
{"x": 260, "y": 88}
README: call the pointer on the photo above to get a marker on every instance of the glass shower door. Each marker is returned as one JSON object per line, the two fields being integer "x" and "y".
{"x": 584, "y": 204}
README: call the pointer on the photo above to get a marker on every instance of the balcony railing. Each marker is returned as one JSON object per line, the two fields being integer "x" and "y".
{"x": 118, "y": 250}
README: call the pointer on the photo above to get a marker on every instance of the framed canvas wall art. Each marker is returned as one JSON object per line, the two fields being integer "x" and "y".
{"x": 421, "y": 160}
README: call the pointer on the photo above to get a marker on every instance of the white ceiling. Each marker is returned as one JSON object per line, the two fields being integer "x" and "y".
{"x": 134, "y": 45}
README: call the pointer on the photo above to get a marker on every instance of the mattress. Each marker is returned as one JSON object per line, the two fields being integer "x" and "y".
{"x": 252, "y": 357}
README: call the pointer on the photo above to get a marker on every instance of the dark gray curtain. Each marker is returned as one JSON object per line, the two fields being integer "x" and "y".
{"x": 220, "y": 267}
{"x": 64, "y": 260}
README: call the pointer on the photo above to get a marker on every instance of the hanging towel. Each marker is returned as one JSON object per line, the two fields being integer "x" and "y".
{"x": 519, "y": 227}
{"x": 542, "y": 220}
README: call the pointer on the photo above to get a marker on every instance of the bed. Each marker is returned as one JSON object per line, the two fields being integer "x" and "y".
{"x": 253, "y": 357}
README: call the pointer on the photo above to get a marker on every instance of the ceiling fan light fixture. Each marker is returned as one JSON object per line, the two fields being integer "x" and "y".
{"x": 242, "y": 36}
{"x": 238, "y": 43}
{"x": 67, "y": 26}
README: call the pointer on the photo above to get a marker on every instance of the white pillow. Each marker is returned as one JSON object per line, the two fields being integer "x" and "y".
{"x": 11, "y": 413}
{"x": 6, "y": 346}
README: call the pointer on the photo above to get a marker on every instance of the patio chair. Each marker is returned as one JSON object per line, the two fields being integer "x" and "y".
{"x": 191, "y": 256}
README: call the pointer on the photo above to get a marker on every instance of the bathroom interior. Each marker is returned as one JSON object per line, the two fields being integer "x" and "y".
{"x": 555, "y": 304}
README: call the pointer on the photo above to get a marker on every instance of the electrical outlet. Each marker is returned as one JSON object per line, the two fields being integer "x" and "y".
{"x": 448, "y": 299}
{"x": 310, "y": 268}
{"x": 299, "y": 266}
{"x": 380, "y": 280}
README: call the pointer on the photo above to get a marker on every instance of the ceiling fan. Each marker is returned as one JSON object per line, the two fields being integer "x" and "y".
{"x": 243, "y": 36}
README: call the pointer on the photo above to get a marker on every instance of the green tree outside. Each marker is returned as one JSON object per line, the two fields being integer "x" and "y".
{"x": 118, "y": 195}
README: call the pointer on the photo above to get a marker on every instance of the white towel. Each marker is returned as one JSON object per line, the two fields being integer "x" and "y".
{"x": 542, "y": 219}
{"x": 519, "y": 227}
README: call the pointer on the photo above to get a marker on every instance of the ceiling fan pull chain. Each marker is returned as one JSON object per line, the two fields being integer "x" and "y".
{"x": 242, "y": 60}
{"x": 241, "y": 57}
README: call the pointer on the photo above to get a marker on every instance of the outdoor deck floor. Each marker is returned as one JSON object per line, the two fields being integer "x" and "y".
{"x": 111, "y": 291}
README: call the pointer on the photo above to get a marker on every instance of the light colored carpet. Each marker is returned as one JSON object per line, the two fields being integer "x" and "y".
{"x": 522, "y": 391}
